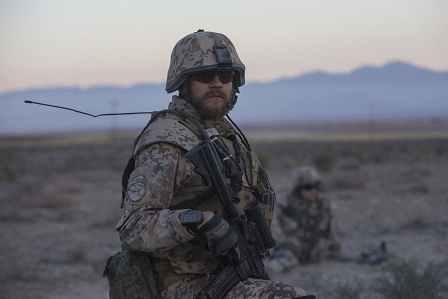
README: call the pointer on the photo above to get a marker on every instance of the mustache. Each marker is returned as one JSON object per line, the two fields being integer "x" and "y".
{"x": 214, "y": 92}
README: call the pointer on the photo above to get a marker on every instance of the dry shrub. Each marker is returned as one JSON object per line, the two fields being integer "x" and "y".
{"x": 350, "y": 181}
{"x": 441, "y": 149}
{"x": 406, "y": 280}
{"x": 325, "y": 159}
{"x": 28, "y": 207}
{"x": 398, "y": 280}
{"x": 7, "y": 174}
{"x": 348, "y": 290}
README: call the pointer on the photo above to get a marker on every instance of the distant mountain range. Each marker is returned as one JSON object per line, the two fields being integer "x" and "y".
{"x": 395, "y": 90}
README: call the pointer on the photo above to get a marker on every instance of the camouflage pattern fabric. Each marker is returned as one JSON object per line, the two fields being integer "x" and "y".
{"x": 162, "y": 178}
{"x": 195, "y": 53}
{"x": 306, "y": 229}
{"x": 131, "y": 276}
{"x": 248, "y": 289}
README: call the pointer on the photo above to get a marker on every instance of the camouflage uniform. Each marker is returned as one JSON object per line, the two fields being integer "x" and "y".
{"x": 163, "y": 177}
{"x": 303, "y": 232}
{"x": 307, "y": 227}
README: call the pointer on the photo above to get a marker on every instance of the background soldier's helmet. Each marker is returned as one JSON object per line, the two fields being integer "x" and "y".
{"x": 203, "y": 51}
{"x": 306, "y": 175}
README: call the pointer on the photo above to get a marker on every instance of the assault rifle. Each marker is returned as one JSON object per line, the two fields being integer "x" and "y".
{"x": 254, "y": 236}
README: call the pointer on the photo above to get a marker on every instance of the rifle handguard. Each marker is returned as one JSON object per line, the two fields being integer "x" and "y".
{"x": 254, "y": 212}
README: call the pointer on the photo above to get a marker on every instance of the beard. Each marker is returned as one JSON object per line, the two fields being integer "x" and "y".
{"x": 211, "y": 110}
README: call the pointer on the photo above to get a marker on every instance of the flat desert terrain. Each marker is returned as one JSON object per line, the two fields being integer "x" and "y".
{"x": 387, "y": 181}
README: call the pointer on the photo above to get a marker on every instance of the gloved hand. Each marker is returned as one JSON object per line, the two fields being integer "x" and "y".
{"x": 220, "y": 237}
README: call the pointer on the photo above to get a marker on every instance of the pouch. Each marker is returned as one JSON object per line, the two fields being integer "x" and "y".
{"x": 131, "y": 275}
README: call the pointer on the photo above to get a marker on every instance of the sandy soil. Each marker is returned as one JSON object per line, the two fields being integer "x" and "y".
{"x": 60, "y": 199}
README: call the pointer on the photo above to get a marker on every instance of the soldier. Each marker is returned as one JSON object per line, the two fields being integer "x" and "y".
{"x": 169, "y": 215}
{"x": 305, "y": 231}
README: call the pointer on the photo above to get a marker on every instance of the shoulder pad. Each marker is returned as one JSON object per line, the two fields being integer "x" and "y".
{"x": 171, "y": 129}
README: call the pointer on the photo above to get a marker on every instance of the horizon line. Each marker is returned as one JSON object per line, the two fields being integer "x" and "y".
{"x": 99, "y": 85}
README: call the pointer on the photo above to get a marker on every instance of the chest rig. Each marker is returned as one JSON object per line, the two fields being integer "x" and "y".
{"x": 242, "y": 169}
{"x": 243, "y": 174}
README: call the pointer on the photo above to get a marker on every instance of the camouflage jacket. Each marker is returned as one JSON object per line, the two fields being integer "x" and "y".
{"x": 162, "y": 178}
{"x": 307, "y": 222}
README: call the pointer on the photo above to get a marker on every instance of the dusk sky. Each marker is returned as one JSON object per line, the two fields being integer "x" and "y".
{"x": 83, "y": 43}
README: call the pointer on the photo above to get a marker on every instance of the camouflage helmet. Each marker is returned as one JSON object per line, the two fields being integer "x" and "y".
{"x": 306, "y": 175}
{"x": 203, "y": 51}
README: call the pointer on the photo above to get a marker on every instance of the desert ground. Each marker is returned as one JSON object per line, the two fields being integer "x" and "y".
{"x": 60, "y": 201}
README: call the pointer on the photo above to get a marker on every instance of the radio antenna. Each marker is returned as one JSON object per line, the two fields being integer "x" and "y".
{"x": 85, "y": 113}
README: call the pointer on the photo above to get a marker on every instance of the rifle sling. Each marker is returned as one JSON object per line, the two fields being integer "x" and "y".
{"x": 130, "y": 165}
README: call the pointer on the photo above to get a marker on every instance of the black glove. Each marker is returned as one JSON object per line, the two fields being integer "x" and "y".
{"x": 220, "y": 237}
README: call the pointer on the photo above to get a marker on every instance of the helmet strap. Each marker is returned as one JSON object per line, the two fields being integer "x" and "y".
{"x": 232, "y": 102}
{"x": 234, "y": 98}
{"x": 183, "y": 90}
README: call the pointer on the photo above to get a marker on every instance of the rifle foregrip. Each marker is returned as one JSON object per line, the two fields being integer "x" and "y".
{"x": 254, "y": 212}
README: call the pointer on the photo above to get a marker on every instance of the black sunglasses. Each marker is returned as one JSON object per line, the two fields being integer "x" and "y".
{"x": 310, "y": 187}
{"x": 207, "y": 77}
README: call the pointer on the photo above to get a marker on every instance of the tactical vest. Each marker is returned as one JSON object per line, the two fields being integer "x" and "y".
{"x": 254, "y": 184}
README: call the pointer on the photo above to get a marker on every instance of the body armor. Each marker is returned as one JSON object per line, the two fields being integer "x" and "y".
{"x": 190, "y": 258}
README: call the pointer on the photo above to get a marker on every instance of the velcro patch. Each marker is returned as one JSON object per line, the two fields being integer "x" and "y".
{"x": 136, "y": 188}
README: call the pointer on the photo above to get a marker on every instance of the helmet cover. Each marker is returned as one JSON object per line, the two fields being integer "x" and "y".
{"x": 306, "y": 175}
{"x": 203, "y": 51}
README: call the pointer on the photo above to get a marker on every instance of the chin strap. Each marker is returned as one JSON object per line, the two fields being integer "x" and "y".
{"x": 232, "y": 102}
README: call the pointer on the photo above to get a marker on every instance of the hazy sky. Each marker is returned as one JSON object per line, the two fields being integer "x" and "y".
{"x": 46, "y": 43}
